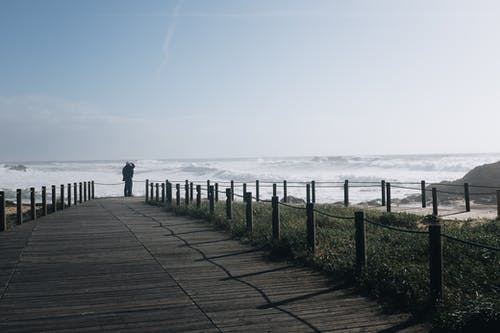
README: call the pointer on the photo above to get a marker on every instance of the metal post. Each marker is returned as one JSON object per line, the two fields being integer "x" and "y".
{"x": 32, "y": 203}
{"x": 276, "y": 218}
{"x": 311, "y": 227}
{"x": 359, "y": 222}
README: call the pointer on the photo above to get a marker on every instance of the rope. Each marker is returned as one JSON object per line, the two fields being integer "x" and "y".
{"x": 396, "y": 229}
{"x": 406, "y": 188}
{"x": 291, "y": 206}
{"x": 333, "y": 216}
{"x": 483, "y": 193}
{"x": 481, "y": 186}
{"x": 471, "y": 243}
{"x": 451, "y": 185}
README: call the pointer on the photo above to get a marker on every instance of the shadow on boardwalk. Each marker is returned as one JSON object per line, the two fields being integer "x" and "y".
{"x": 120, "y": 265}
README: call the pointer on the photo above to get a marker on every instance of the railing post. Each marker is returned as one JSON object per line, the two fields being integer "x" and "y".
{"x": 178, "y": 194}
{"x": 168, "y": 186}
{"x": 359, "y": 222}
{"x": 84, "y": 191}
{"x": 434, "y": 202}
{"x": 211, "y": 198}
{"x": 346, "y": 193}
{"x": 308, "y": 193}
{"x": 208, "y": 186}
{"x": 244, "y": 190}
{"x": 498, "y": 204}
{"x": 3, "y": 216}
{"x": 88, "y": 190}
{"x": 62, "y": 196}
{"x": 54, "y": 200}
{"x": 157, "y": 193}
{"x": 191, "y": 189}
{"x": 249, "y": 211}
{"x": 147, "y": 190}
{"x": 75, "y": 194}
{"x": 69, "y": 194}
{"x": 423, "y": 193}
{"x": 276, "y": 218}
{"x": 382, "y": 189}
{"x": 80, "y": 190}
{"x": 93, "y": 190}
{"x": 44, "y": 201}
{"x": 257, "y": 191}
{"x": 285, "y": 192}
{"x": 435, "y": 263}
{"x": 162, "y": 193}
{"x": 32, "y": 203}
{"x": 388, "y": 195}
{"x": 198, "y": 196}
{"x": 229, "y": 204}
{"x": 151, "y": 192}
{"x": 232, "y": 190}
{"x": 275, "y": 190}
{"x": 19, "y": 207}
{"x": 313, "y": 191}
{"x": 467, "y": 197}
{"x": 311, "y": 227}
{"x": 216, "y": 191}
{"x": 186, "y": 192}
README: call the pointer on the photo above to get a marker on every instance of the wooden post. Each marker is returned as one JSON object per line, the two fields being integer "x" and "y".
{"x": 211, "y": 198}
{"x": 359, "y": 222}
{"x": 434, "y": 202}
{"x": 88, "y": 190}
{"x": 186, "y": 192}
{"x": 198, "y": 196}
{"x": 423, "y": 193}
{"x": 276, "y": 218}
{"x": 162, "y": 193}
{"x": 311, "y": 227}
{"x": 249, "y": 211}
{"x": 62, "y": 196}
{"x": 157, "y": 192}
{"x": 169, "y": 191}
{"x": 435, "y": 263}
{"x": 382, "y": 189}
{"x": 257, "y": 191}
{"x": 93, "y": 190}
{"x": 388, "y": 195}
{"x": 313, "y": 191}
{"x": 44, "y": 201}
{"x": 32, "y": 203}
{"x": 80, "y": 190}
{"x": 151, "y": 192}
{"x": 498, "y": 204}
{"x": 147, "y": 190}
{"x": 177, "y": 195}
{"x": 346, "y": 193}
{"x": 216, "y": 191}
{"x": 54, "y": 200}
{"x": 244, "y": 190}
{"x": 229, "y": 204}
{"x": 191, "y": 189}
{"x": 285, "y": 192}
{"x": 467, "y": 197}
{"x": 275, "y": 191}
{"x": 75, "y": 194}
{"x": 69, "y": 194}
{"x": 3, "y": 216}
{"x": 208, "y": 187}
{"x": 84, "y": 191}
{"x": 232, "y": 190}
{"x": 308, "y": 193}
{"x": 19, "y": 206}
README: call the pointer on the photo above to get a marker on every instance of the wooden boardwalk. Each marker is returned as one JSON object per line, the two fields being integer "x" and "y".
{"x": 121, "y": 265}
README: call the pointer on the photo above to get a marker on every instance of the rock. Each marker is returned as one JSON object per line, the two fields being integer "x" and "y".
{"x": 18, "y": 167}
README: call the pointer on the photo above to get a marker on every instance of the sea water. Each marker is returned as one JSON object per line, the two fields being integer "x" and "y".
{"x": 296, "y": 170}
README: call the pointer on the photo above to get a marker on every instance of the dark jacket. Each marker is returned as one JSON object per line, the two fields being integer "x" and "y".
{"x": 128, "y": 171}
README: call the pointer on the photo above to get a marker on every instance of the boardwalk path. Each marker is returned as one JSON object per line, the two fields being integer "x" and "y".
{"x": 120, "y": 265}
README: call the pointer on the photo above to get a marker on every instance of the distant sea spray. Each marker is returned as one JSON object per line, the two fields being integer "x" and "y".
{"x": 395, "y": 168}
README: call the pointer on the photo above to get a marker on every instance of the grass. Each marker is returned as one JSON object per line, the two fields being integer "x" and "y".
{"x": 397, "y": 269}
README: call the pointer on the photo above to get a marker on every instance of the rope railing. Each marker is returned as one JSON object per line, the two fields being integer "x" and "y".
{"x": 473, "y": 244}
{"x": 333, "y": 216}
{"x": 409, "y": 231}
{"x": 291, "y": 206}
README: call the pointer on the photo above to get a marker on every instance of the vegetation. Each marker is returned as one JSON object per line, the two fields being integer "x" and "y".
{"x": 397, "y": 271}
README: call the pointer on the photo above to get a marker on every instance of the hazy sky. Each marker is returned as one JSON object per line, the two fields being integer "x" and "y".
{"x": 195, "y": 78}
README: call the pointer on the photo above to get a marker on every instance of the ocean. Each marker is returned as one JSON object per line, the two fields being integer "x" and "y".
{"x": 357, "y": 169}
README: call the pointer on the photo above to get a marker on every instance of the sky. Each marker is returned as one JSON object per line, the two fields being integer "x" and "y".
{"x": 116, "y": 79}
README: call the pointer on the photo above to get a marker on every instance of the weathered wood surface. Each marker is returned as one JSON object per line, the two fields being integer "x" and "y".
{"x": 121, "y": 265}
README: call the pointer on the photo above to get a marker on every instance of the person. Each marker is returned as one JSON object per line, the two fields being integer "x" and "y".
{"x": 128, "y": 173}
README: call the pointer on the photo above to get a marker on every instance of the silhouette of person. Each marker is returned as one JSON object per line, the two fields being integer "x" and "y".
{"x": 128, "y": 173}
